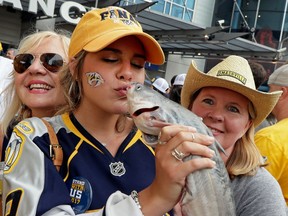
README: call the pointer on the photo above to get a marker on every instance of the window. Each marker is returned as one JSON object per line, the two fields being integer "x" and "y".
{"x": 182, "y": 9}
{"x": 177, "y": 11}
{"x": 159, "y": 6}
{"x": 190, "y": 4}
{"x": 168, "y": 8}
{"x": 188, "y": 15}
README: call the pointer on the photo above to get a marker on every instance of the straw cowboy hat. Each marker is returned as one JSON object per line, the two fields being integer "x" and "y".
{"x": 233, "y": 73}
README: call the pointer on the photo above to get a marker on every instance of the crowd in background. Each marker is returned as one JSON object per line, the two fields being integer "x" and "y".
{"x": 78, "y": 98}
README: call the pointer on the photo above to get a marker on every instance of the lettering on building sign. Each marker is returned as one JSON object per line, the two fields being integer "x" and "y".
{"x": 48, "y": 7}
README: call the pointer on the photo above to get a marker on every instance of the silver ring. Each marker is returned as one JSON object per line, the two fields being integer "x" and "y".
{"x": 178, "y": 154}
{"x": 193, "y": 137}
{"x": 159, "y": 135}
{"x": 161, "y": 142}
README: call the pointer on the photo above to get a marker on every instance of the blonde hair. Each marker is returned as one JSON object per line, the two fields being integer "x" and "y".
{"x": 16, "y": 109}
{"x": 245, "y": 158}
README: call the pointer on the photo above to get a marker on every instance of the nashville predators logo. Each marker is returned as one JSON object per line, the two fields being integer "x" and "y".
{"x": 94, "y": 79}
{"x": 117, "y": 169}
{"x": 12, "y": 152}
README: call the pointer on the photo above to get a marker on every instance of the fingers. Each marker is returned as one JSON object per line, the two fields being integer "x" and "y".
{"x": 190, "y": 166}
{"x": 187, "y": 149}
{"x": 182, "y": 136}
{"x": 170, "y": 131}
{"x": 182, "y": 141}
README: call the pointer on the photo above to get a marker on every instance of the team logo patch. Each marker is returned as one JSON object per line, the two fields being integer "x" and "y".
{"x": 25, "y": 127}
{"x": 232, "y": 74}
{"x": 81, "y": 194}
{"x": 12, "y": 152}
{"x": 117, "y": 169}
{"x": 119, "y": 16}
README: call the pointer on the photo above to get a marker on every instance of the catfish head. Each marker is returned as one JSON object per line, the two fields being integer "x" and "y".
{"x": 145, "y": 105}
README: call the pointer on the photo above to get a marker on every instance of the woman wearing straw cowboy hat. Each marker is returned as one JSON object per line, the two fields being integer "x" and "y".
{"x": 227, "y": 101}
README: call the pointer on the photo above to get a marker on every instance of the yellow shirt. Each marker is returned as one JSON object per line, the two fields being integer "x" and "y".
{"x": 273, "y": 143}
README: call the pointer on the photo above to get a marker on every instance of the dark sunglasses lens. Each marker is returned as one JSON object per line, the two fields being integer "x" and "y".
{"x": 22, "y": 62}
{"x": 52, "y": 61}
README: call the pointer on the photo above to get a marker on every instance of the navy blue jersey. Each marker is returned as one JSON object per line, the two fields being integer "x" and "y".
{"x": 32, "y": 185}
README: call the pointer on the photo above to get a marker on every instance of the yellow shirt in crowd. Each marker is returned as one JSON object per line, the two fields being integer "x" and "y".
{"x": 273, "y": 143}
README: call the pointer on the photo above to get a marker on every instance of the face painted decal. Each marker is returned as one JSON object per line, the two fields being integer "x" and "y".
{"x": 94, "y": 79}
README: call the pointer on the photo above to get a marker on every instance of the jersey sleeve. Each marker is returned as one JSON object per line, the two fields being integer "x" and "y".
{"x": 31, "y": 183}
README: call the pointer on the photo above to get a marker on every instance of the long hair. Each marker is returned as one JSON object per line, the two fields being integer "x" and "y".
{"x": 15, "y": 108}
{"x": 245, "y": 158}
{"x": 72, "y": 83}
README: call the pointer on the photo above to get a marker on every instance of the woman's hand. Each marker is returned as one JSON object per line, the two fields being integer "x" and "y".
{"x": 165, "y": 191}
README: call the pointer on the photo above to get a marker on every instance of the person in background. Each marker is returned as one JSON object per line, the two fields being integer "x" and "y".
{"x": 11, "y": 53}
{"x": 5, "y": 70}
{"x": 229, "y": 104}
{"x": 161, "y": 85}
{"x": 35, "y": 88}
{"x": 175, "y": 90}
{"x": 104, "y": 158}
{"x": 1, "y": 49}
{"x": 260, "y": 78}
{"x": 272, "y": 141}
{"x": 259, "y": 73}
{"x": 6, "y": 67}
{"x": 172, "y": 80}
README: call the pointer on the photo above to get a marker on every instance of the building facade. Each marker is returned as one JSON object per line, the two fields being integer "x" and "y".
{"x": 262, "y": 22}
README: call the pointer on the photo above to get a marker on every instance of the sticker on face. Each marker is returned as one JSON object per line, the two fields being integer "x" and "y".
{"x": 94, "y": 79}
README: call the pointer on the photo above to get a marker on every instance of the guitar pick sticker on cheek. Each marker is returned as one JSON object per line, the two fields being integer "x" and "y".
{"x": 94, "y": 79}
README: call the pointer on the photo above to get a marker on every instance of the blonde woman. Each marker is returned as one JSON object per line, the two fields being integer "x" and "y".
{"x": 229, "y": 104}
{"x": 35, "y": 89}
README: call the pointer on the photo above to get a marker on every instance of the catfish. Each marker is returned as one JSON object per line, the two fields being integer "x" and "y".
{"x": 207, "y": 192}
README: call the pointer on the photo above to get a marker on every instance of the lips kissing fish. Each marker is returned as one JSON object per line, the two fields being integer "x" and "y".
{"x": 207, "y": 191}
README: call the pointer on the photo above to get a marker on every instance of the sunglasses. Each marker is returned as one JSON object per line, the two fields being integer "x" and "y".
{"x": 50, "y": 61}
